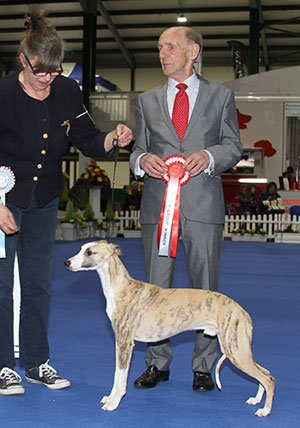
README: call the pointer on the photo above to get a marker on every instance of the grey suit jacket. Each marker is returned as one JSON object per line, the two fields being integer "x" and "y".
{"x": 212, "y": 126}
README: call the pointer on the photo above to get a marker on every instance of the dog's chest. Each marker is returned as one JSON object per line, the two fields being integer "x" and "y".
{"x": 107, "y": 291}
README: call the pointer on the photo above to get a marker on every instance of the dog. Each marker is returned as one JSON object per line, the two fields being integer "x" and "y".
{"x": 148, "y": 313}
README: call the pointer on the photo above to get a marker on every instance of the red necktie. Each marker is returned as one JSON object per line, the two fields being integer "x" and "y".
{"x": 180, "y": 116}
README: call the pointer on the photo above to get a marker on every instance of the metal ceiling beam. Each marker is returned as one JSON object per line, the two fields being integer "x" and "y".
{"x": 254, "y": 38}
{"x": 127, "y": 55}
{"x": 162, "y": 25}
{"x": 88, "y": 49}
{"x": 210, "y": 9}
{"x": 263, "y": 36}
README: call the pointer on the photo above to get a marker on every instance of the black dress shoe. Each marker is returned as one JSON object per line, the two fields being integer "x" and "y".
{"x": 203, "y": 382}
{"x": 151, "y": 377}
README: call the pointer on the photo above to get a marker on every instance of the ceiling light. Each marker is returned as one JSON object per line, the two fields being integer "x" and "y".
{"x": 181, "y": 18}
{"x": 252, "y": 180}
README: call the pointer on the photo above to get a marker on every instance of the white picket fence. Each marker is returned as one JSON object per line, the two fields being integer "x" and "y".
{"x": 269, "y": 223}
{"x": 128, "y": 220}
{"x": 272, "y": 224}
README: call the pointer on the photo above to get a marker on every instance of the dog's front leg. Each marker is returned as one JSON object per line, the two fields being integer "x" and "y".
{"x": 123, "y": 357}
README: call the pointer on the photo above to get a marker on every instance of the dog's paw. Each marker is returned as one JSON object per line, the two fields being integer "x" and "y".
{"x": 263, "y": 412}
{"x": 104, "y": 399}
{"x": 110, "y": 403}
{"x": 253, "y": 401}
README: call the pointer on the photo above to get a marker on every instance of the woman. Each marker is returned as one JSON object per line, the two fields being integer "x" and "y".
{"x": 41, "y": 112}
{"x": 270, "y": 201}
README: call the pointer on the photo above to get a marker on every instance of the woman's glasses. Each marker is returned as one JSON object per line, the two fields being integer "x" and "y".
{"x": 44, "y": 73}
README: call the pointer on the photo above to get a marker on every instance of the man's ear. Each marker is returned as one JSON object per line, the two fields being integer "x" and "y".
{"x": 194, "y": 51}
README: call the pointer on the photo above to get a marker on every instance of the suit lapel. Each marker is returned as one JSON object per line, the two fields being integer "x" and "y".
{"x": 162, "y": 100}
{"x": 202, "y": 99}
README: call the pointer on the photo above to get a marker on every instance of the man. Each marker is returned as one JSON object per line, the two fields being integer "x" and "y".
{"x": 133, "y": 197}
{"x": 211, "y": 144}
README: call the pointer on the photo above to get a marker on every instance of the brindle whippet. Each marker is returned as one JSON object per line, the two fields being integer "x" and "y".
{"x": 148, "y": 313}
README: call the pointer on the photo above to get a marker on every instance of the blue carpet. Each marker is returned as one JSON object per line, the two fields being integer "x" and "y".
{"x": 263, "y": 278}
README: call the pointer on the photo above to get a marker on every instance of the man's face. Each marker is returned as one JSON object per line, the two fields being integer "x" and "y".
{"x": 176, "y": 54}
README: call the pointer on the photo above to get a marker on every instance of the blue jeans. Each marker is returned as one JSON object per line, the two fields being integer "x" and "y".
{"x": 34, "y": 246}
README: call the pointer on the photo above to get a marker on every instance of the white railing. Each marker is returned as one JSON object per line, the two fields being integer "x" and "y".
{"x": 128, "y": 220}
{"x": 269, "y": 223}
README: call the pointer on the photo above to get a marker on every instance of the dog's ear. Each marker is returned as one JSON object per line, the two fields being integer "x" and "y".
{"x": 115, "y": 249}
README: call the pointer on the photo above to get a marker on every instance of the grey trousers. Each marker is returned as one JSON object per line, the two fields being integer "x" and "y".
{"x": 202, "y": 246}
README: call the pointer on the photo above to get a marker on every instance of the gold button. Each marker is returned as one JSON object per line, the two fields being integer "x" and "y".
{"x": 35, "y": 178}
{"x": 45, "y": 135}
{"x": 40, "y": 166}
{"x": 43, "y": 152}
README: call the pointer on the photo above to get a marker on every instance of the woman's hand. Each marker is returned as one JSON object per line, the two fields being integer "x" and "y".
{"x": 7, "y": 221}
{"x": 122, "y": 133}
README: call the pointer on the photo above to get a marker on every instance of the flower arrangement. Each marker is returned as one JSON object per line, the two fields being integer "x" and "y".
{"x": 288, "y": 229}
{"x": 96, "y": 175}
{"x": 243, "y": 230}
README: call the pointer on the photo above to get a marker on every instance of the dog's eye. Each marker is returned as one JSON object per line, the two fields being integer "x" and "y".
{"x": 89, "y": 252}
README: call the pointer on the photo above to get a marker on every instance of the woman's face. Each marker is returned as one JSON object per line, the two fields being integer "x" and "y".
{"x": 272, "y": 189}
{"x": 36, "y": 81}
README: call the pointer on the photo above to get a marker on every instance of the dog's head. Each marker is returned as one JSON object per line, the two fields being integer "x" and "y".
{"x": 92, "y": 255}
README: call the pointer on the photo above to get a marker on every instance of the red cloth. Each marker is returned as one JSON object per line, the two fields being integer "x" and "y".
{"x": 180, "y": 115}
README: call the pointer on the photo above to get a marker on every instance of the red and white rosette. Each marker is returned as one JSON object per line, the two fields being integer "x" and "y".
{"x": 175, "y": 177}
{"x": 7, "y": 182}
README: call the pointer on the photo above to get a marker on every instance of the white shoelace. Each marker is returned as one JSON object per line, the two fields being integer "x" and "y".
{"x": 47, "y": 370}
{"x": 10, "y": 376}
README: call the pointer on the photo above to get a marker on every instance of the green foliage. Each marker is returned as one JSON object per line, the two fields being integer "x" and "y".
{"x": 71, "y": 215}
{"x": 88, "y": 213}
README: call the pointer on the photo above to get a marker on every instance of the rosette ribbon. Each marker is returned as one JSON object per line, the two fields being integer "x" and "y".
{"x": 7, "y": 182}
{"x": 168, "y": 228}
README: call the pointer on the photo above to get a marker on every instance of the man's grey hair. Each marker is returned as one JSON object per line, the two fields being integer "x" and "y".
{"x": 193, "y": 36}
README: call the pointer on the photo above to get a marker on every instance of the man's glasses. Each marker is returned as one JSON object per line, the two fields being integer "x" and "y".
{"x": 44, "y": 73}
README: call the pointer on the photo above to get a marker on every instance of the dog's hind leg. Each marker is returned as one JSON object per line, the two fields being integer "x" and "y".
{"x": 123, "y": 357}
{"x": 266, "y": 383}
{"x": 243, "y": 360}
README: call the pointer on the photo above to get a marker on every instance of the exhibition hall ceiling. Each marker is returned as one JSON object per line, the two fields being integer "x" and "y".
{"x": 128, "y": 30}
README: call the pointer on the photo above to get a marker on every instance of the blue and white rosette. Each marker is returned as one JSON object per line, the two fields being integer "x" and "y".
{"x": 7, "y": 182}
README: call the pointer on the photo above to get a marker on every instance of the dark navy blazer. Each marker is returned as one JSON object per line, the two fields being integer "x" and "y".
{"x": 35, "y": 134}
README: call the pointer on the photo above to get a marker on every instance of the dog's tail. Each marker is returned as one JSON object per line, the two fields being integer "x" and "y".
{"x": 217, "y": 371}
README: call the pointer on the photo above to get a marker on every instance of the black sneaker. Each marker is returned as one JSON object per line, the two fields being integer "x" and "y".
{"x": 46, "y": 375}
{"x": 10, "y": 382}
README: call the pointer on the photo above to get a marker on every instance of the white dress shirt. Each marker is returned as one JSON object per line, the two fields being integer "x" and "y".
{"x": 192, "y": 90}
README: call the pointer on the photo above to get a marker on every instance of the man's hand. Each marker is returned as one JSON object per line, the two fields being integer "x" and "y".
{"x": 7, "y": 221}
{"x": 153, "y": 166}
{"x": 197, "y": 163}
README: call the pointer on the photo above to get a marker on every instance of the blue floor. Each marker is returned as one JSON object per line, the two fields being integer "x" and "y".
{"x": 262, "y": 277}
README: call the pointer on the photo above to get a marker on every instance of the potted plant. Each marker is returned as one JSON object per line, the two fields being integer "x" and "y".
{"x": 110, "y": 222}
{"x": 67, "y": 224}
{"x": 87, "y": 224}
{"x": 287, "y": 236}
{"x": 99, "y": 182}
{"x": 253, "y": 235}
